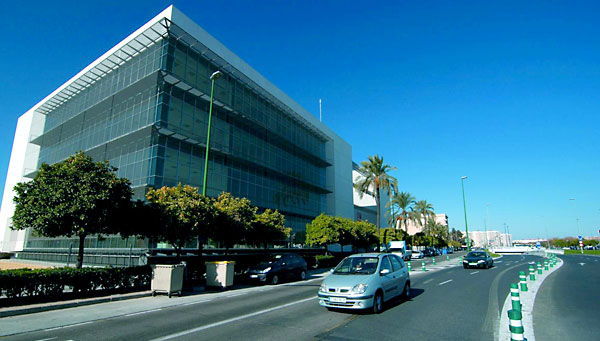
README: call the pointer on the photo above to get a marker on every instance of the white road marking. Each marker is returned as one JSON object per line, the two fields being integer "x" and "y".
{"x": 448, "y": 281}
{"x": 144, "y": 312}
{"x": 498, "y": 261}
{"x": 260, "y": 312}
{"x": 427, "y": 281}
{"x": 71, "y": 325}
{"x": 582, "y": 264}
{"x": 52, "y": 338}
{"x": 197, "y": 302}
{"x": 475, "y": 272}
{"x": 234, "y": 295}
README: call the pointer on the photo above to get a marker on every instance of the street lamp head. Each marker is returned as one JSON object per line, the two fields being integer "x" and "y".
{"x": 571, "y": 198}
{"x": 216, "y": 75}
{"x": 463, "y": 177}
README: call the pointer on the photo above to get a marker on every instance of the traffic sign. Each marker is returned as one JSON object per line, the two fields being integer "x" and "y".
{"x": 580, "y": 238}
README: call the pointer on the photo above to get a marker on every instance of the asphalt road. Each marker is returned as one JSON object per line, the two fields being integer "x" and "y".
{"x": 447, "y": 304}
{"x": 567, "y": 306}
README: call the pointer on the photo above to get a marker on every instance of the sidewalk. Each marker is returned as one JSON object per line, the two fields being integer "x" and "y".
{"x": 41, "y": 307}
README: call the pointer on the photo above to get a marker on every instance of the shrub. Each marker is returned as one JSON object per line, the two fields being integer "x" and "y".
{"x": 52, "y": 282}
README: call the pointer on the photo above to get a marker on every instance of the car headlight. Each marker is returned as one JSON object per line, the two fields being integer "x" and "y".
{"x": 359, "y": 288}
{"x": 265, "y": 270}
{"x": 465, "y": 261}
{"x": 480, "y": 261}
{"x": 323, "y": 288}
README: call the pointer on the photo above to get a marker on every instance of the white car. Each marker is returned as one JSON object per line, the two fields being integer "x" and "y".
{"x": 365, "y": 281}
{"x": 417, "y": 255}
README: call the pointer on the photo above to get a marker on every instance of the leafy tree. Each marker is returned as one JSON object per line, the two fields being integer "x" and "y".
{"x": 75, "y": 197}
{"x": 267, "y": 227}
{"x": 143, "y": 221}
{"x": 364, "y": 234}
{"x": 233, "y": 219}
{"x": 326, "y": 230}
{"x": 374, "y": 179}
{"x": 182, "y": 211}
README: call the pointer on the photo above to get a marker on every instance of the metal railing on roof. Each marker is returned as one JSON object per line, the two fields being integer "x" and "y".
{"x": 129, "y": 50}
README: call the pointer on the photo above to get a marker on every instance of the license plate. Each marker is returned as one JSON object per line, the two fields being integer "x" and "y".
{"x": 337, "y": 299}
{"x": 253, "y": 276}
{"x": 472, "y": 263}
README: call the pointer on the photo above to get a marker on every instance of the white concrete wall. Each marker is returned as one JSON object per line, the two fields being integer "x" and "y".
{"x": 23, "y": 155}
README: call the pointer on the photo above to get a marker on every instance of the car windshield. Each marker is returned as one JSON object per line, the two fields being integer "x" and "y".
{"x": 357, "y": 265}
{"x": 476, "y": 254}
{"x": 274, "y": 259}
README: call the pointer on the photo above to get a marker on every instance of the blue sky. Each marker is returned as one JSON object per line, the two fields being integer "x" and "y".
{"x": 507, "y": 93}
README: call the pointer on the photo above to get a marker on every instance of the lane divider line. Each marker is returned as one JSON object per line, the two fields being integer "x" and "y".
{"x": 472, "y": 273}
{"x": 260, "y": 312}
{"x": 69, "y": 326}
{"x": 197, "y": 302}
{"x": 144, "y": 312}
{"x": 448, "y": 281}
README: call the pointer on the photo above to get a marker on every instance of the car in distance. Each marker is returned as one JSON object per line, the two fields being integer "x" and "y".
{"x": 286, "y": 266}
{"x": 403, "y": 253}
{"x": 417, "y": 255}
{"x": 479, "y": 259}
{"x": 365, "y": 281}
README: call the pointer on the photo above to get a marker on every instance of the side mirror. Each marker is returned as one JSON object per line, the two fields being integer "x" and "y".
{"x": 384, "y": 272}
{"x": 332, "y": 270}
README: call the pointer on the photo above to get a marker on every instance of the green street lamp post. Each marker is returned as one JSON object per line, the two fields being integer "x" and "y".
{"x": 216, "y": 75}
{"x": 462, "y": 178}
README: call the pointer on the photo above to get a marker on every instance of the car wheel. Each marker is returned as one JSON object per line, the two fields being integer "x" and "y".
{"x": 302, "y": 275}
{"x": 274, "y": 280}
{"x": 465, "y": 266}
{"x": 378, "y": 303}
{"x": 407, "y": 292}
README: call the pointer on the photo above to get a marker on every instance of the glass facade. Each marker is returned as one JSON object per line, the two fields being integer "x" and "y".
{"x": 149, "y": 118}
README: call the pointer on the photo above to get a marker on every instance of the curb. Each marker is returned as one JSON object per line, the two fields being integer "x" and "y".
{"x": 527, "y": 301}
{"x": 15, "y": 311}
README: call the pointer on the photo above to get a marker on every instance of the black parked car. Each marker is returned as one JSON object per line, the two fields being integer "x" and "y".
{"x": 287, "y": 266}
{"x": 479, "y": 259}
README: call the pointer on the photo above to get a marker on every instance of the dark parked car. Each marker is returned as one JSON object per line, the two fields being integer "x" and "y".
{"x": 287, "y": 266}
{"x": 479, "y": 259}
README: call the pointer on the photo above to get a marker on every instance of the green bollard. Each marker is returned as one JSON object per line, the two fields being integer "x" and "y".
{"x": 460, "y": 260}
{"x": 409, "y": 268}
{"x": 447, "y": 258}
{"x": 433, "y": 260}
{"x": 423, "y": 266}
{"x": 523, "y": 280}
{"x": 531, "y": 273}
{"x": 546, "y": 264}
{"x": 514, "y": 296}
{"x": 539, "y": 267}
{"x": 515, "y": 324}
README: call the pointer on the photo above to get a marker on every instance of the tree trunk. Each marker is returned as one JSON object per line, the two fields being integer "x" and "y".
{"x": 80, "y": 252}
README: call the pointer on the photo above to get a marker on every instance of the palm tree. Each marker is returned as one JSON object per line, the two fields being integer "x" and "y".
{"x": 375, "y": 178}
{"x": 424, "y": 210}
{"x": 404, "y": 202}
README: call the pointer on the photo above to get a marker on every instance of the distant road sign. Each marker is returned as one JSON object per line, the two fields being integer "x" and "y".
{"x": 580, "y": 238}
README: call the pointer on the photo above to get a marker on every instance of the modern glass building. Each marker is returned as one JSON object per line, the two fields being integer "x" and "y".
{"x": 143, "y": 106}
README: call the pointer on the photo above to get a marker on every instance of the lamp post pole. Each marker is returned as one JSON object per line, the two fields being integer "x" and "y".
{"x": 216, "y": 75}
{"x": 577, "y": 220}
{"x": 465, "y": 207}
{"x": 487, "y": 217}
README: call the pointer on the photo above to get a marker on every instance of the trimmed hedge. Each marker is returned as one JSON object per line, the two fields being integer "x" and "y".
{"x": 52, "y": 282}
